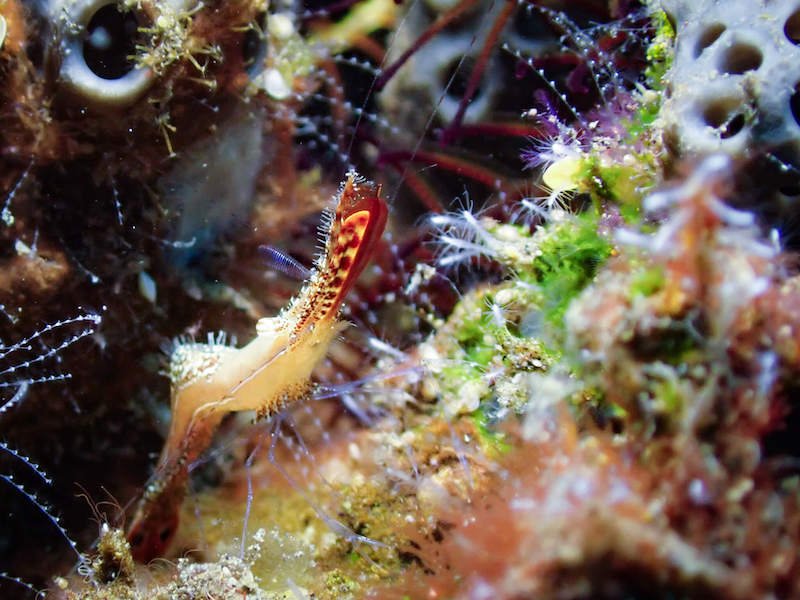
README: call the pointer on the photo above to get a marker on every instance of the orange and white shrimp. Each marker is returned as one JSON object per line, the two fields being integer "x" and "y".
{"x": 208, "y": 381}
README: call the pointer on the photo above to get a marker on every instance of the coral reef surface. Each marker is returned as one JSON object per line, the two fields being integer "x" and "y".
{"x": 553, "y": 351}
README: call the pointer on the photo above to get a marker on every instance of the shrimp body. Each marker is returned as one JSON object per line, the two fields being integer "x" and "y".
{"x": 208, "y": 381}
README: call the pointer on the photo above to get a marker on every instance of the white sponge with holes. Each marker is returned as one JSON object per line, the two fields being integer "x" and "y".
{"x": 734, "y": 86}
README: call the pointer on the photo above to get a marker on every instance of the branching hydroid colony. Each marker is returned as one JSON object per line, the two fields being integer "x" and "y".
{"x": 24, "y": 363}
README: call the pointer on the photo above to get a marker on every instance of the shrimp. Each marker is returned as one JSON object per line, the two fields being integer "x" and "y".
{"x": 209, "y": 381}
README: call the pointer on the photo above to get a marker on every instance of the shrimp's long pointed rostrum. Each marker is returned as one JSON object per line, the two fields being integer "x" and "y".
{"x": 209, "y": 381}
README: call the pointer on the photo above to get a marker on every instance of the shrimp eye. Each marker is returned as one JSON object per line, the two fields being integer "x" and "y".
{"x": 165, "y": 534}
{"x": 110, "y": 42}
{"x": 136, "y": 540}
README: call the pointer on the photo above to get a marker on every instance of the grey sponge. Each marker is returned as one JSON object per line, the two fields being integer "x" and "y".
{"x": 734, "y": 86}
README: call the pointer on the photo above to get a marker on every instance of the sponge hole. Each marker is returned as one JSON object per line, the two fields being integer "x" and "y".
{"x": 794, "y": 103}
{"x": 732, "y": 126}
{"x": 791, "y": 29}
{"x": 709, "y": 36}
{"x": 723, "y": 116}
{"x": 110, "y": 42}
{"x": 740, "y": 58}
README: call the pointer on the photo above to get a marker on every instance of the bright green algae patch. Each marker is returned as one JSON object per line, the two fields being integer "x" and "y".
{"x": 516, "y": 326}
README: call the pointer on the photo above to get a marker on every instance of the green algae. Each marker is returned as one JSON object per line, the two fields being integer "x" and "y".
{"x": 660, "y": 52}
{"x": 569, "y": 257}
{"x": 493, "y": 443}
{"x": 648, "y": 281}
